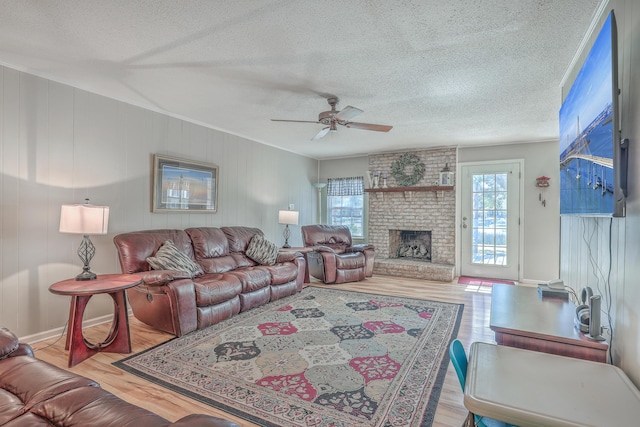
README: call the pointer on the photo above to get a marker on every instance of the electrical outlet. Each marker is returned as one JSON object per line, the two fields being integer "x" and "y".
{"x": 291, "y": 207}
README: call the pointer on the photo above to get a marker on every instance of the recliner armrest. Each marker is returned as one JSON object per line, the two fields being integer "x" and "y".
{"x": 361, "y": 247}
{"x": 321, "y": 248}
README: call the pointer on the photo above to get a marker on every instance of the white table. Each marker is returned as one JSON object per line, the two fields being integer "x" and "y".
{"x": 530, "y": 388}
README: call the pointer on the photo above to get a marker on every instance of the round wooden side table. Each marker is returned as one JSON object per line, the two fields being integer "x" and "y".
{"x": 118, "y": 340}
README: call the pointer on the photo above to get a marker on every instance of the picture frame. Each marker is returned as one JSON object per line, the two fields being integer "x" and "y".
{"x": 181, "y": 185}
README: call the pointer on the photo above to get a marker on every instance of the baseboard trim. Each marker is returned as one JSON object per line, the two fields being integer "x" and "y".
{"x": 54, "y": 333}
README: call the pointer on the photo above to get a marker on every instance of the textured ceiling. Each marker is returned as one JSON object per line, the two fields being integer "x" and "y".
{"x": 456, "y": 72}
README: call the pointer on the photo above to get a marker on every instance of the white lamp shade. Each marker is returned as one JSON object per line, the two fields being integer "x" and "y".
{"x": 84, "y": 219}
{"x": 288, "y": 217}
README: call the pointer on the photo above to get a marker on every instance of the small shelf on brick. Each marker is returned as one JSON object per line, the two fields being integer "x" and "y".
{"x": 432, "y": 188}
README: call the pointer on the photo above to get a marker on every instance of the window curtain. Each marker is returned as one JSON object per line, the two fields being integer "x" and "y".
{"x": 353, "y": 186}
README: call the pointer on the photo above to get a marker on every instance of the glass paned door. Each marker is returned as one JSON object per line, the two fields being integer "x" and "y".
{"x": 489, "y": 225}
{"x": 490, "y": 220}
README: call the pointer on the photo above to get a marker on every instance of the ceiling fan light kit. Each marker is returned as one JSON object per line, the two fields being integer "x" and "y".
{"x": 332, "y": 118}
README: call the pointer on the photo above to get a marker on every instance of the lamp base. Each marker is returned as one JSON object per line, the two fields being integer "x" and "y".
{"x": 87, "y": 275}
{"x": 286, "y": 234}
{"x": 86, "y": 252}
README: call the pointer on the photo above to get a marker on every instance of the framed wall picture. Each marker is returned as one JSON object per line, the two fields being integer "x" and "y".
{"x": 184, "y": 186}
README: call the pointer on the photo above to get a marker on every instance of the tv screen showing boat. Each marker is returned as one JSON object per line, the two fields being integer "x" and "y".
{"x": 589, "y": 135}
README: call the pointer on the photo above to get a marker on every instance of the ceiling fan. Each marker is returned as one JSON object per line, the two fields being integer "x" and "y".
{"x": 334, "y": 117}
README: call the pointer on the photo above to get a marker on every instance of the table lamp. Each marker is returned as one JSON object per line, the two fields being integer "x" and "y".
{"x": 86, "y": 220}
{"x": 287, "y": 218}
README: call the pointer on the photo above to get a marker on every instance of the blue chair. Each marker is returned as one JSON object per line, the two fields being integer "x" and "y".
{"x": 459, "y": 361}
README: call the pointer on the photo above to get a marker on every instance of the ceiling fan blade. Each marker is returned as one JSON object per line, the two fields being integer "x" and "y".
{"x": 348, "y": 113}
{"x": 369, "y": 126}
{"x": 322, "y": 133}
{"x": 295, "y": 121}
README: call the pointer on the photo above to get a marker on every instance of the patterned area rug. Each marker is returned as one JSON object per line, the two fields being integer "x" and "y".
{"x": 323, "y": 357}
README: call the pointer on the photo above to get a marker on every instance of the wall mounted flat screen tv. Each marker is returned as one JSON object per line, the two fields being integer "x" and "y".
{"x": 592, "y": 155}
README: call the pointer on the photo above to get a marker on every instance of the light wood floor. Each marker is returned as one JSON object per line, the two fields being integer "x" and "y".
{"x": 170, "y": 405}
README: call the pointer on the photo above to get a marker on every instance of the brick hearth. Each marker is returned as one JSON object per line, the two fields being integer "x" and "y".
{"x": 414, "y": 269}
{"x": 414, "y": 210}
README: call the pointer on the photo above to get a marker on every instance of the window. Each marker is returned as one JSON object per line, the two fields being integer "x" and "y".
{"x": 345, "y": 203}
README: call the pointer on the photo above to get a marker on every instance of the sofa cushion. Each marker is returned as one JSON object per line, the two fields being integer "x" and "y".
{"x": 94, "y": 406}
{"x": 239, "y": 237}
{"x": 252, "y": 278}
{"x": 262, "y": 251}
{"x": 33, "y": 381}
{"x": 220, "y": 264}
{"x": 208, "y": 242}
{"x": 214, "y": 289}
{"x": 283, "y": 272}
{"x": 350, "y": 261}
{"x": 169, "y": 257}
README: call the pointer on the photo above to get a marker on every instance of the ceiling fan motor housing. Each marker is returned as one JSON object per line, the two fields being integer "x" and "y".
{"x": 328, "y": 117}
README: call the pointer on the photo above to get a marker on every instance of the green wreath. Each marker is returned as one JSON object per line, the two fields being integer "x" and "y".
{"x": 398, "y": 167}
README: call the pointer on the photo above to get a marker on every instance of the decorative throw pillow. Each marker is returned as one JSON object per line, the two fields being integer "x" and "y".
{"x": 169, "y": 257}
{"x": 262, "y": 251}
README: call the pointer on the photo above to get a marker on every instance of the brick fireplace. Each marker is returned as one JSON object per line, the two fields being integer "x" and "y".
{"x": 424, "y": 214}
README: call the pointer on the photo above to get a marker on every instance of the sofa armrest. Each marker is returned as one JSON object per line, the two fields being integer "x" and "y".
{"x": 291, "y": 256}
{"x": 162, "y": 277}
{"x": 201, "y": 420}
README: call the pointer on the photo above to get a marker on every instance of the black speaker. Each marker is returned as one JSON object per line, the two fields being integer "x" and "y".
{"x": 588, "y": 314}
{"x": 595, "y": 306}
{"x": 583, "y": 313}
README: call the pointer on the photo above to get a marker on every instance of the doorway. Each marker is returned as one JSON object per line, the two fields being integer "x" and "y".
{"x": 490, "y": 220}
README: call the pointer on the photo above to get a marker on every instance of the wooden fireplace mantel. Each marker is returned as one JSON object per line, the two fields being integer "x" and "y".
{"x": 410, "y": 190}
{"x": 433, "y": 188}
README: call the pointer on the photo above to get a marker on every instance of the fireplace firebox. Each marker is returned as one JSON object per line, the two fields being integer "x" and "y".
{"x": 410, "y": 244}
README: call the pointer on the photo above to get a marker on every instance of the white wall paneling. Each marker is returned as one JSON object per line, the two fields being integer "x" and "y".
{"x": 591, "y": 245}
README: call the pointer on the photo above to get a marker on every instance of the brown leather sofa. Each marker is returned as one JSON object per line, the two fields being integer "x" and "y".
{"x": 177, "y": 303}
{"x": 35, "y": 393}
{"x": 335, "y": 259}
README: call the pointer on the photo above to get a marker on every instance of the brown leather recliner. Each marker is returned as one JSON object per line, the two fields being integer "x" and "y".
{"x": 335, "y": 259}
